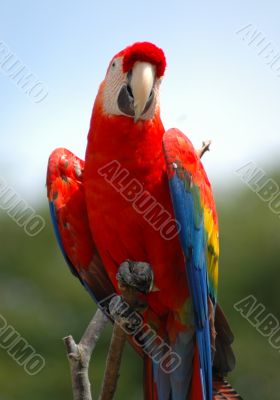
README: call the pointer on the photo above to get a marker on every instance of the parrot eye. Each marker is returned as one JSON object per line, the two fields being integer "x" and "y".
{"x": 113, "y": 64}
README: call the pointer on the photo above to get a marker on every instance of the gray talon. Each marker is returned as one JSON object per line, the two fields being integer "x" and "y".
{"x": 121, "y": 312}
{"x": 117, "y": 308}
{"x": 137, "y": 275}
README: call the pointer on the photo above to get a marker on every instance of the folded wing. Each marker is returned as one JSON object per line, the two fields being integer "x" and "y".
{"x": 195, "y": 212}
{"x": 69, "y": 216}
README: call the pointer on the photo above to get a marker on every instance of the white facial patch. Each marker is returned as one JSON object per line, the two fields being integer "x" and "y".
{"x": 114, "y": 81}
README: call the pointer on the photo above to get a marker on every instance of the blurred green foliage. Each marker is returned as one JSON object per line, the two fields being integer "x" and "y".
{"x": 44, "y": 302}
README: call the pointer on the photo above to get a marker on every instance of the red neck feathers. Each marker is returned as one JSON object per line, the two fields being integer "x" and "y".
{"x": 136, "y": 146}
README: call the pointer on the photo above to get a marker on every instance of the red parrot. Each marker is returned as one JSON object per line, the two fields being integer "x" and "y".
{"x": 142, "y": 202}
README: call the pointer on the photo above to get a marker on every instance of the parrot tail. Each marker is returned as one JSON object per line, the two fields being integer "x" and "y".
{"x": 222, "y": 390}
{"x": 224, "y": 360}
{"x": 150, "y": 390}
{"x": 196, "y": 387}
{"x": 158, "y": 386}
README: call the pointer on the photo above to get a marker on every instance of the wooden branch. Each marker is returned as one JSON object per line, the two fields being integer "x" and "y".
{"x": 114, "y": 357}
{"x": 79, "y": 356}
{"x": 113, "y": 363}
{"x": 205, "y": 147}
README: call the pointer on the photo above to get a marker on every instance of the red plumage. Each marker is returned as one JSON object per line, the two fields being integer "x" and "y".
{"x": 143, "y": 51}
{"x": 96, "y": 222}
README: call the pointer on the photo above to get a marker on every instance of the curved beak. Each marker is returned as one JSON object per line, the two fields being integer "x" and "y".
{"x": 142, "y": 83}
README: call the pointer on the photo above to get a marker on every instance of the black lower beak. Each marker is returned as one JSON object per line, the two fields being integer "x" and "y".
{"x": 126, "y": 101}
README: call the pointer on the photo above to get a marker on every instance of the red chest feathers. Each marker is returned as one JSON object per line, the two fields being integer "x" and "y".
{"x": 130, "y": 211}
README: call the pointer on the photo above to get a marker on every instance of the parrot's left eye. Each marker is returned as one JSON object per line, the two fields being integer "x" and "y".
{"x": 113, "y": 64}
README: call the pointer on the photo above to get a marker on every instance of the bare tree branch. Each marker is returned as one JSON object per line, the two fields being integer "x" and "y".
{"x": 79, "y": 356}
{"x": 114, "y": 357}
{"x": 205, "y": 147}
{"x": 113, "y": 363}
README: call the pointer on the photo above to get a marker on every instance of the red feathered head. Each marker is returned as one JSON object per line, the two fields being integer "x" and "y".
{"x": 145, "y": 52}
{"x": 131, "y": 86}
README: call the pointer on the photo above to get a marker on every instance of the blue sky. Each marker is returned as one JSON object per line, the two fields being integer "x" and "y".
{"x": 216, "y": 85}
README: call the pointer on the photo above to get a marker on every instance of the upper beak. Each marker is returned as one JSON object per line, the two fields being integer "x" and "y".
{"x": 142, "y": 83}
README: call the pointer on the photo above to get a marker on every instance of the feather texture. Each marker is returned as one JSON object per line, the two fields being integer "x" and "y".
{"x": 69, "y": 217}
{"x": 196, "y": 215}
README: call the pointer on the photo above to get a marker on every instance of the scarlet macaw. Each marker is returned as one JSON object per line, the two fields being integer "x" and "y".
{"x": 142, "y": 195}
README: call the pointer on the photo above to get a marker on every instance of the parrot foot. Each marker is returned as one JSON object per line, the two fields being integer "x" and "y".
{"x": 136, "y": 275}
{"x": 122, "y": 313}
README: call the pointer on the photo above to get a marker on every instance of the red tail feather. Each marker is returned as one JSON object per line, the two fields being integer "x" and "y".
{"x": 222, "y": 390}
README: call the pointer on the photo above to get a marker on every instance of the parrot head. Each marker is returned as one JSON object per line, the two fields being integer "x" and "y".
{"x": 131, "y": 85}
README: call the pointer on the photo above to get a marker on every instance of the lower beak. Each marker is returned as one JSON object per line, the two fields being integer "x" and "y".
{"x": 142, "y": 83}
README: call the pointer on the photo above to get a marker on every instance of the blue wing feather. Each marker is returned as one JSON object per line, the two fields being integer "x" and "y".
{"x": 189, "y": 213}
{"x": 59, "y": 241}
